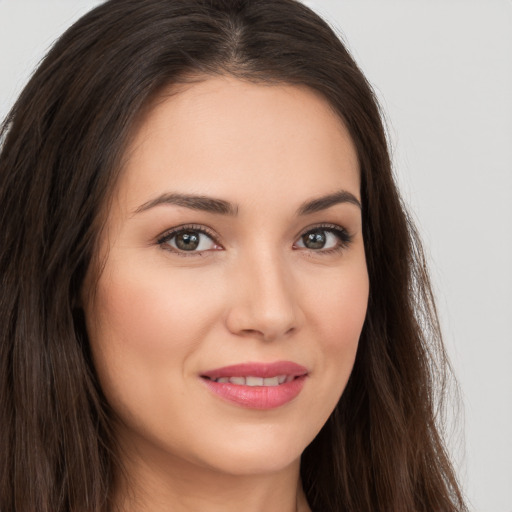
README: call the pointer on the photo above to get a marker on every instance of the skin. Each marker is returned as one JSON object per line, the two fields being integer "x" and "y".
{"x": 253, "y": 293}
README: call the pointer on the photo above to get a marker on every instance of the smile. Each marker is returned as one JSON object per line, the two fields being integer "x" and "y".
{"x": 257, "y": 385}
{"x": 256, "y": 381}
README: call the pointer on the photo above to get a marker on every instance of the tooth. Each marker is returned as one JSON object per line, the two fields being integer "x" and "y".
{"x": 271, "y": 381}
{"x": 281, "y": 378}
{"x": 237, "y": 380}
{"x": 289, "y": 378}
{"x": 223, "y": 379}
{"x": 254, "y": 381}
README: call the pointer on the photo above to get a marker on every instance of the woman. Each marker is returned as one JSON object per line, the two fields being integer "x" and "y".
{"x": 212, "y": 296}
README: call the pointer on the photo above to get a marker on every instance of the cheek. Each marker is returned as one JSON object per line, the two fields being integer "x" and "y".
{"x": 338, "y": 311}
{"x": 344, "y": 317}
{"x": 143, "y": 328}
{"x": 338, "y": 305}
{"x": 150, "y": 310}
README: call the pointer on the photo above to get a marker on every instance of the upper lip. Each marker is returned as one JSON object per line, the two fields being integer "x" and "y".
{"x": 264, "y": 370}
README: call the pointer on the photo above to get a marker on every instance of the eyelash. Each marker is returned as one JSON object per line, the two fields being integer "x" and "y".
{"x": 344, "y": 238}
{"x": 169, "y": 235}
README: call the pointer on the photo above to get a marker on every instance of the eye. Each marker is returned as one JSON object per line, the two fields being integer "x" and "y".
{"x": 188, "y": 240}
{"x": 324, "y": 239}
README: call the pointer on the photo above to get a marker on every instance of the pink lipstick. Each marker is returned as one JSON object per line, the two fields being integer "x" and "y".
{"x": 257, "y": 385}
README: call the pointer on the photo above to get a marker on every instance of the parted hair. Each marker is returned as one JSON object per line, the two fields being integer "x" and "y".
{"x": 62, "y": 146}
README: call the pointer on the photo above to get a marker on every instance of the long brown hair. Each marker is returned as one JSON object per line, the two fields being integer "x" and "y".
{"x": 62, "y": 146}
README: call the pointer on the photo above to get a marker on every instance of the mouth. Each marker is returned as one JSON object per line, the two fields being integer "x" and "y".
{"x": 257, "y": 385}
{"x": 252, "y": 380}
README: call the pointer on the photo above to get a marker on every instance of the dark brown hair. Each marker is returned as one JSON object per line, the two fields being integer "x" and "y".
{"x": 62, "y": 146}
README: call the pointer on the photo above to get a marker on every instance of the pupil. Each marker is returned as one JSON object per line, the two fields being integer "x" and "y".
{"x": 187, "y": 241}
{"x": 314, "y": 240}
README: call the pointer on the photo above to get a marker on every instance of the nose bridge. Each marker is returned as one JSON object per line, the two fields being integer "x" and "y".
{"x": 265, "y": 302}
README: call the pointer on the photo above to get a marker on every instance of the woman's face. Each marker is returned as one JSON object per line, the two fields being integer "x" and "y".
{"x": 233, "y": 251}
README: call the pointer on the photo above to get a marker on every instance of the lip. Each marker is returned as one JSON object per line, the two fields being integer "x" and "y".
{"x": 257, "y": 397}
{"x": 263, "y": 370}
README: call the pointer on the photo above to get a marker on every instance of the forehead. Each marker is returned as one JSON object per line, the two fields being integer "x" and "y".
{"x": 240, "y": 141}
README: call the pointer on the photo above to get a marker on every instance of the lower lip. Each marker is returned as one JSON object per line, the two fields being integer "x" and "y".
{"x": 257, "y": 397}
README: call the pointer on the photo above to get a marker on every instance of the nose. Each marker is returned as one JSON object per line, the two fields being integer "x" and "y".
{"x": 263, "y": 303}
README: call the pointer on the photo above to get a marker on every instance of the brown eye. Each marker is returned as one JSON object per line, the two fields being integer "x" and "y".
{"x": 315, "y": 239}
{"x": 188, "y": 240}
{"x": 324, "y": 239}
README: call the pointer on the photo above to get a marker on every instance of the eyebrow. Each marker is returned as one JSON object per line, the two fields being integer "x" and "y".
{"x": 222, "y": 207}
{"x": 203, "y": 203}
{"x": 324, "y": 202}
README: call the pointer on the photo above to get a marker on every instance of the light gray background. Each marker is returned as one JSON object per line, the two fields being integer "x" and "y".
{"x": 443, "y": 72}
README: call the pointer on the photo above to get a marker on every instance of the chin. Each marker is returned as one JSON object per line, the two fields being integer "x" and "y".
{"x": 266, "y": 450}
{"x": 256, "y": 462}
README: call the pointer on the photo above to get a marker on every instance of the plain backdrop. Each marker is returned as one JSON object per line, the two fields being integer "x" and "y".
{"x": 442, "y": 70}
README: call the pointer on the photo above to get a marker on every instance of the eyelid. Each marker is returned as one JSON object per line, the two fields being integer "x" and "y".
{"x": 345, "y": 237}
{"x": 324, "y": 225}
{"x": 200, "y": 228}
